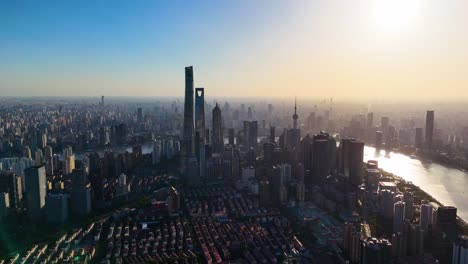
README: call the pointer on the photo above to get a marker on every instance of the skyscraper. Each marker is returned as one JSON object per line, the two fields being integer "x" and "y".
{"x": 36, "y": 191}
{"x": 139, "y": 115}
{"x": 9, "y": 183}
{"x": 429, "y": 128}
{"x": 351, "y": 157}
{"x": 418, "y": 140}
{"x": 272, "y": 135}
{"x": 200, "y": 129}
{"x": 217, "y": 136}
{"x": 188, "y": 146}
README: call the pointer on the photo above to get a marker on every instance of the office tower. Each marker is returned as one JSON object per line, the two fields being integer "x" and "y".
{"x": 300, "y": 192}
{"x": 418, "y": 140}
{"x": 460, "y": 250}
{"x": 36, "y": 191}
{"x": 268, "y": 150}
{"x": 250, "y": 133}
{"x": 384, "y": 122}
{"x": 4, "y": 205}
{"x": 264, "y": 193}
{"x": 57, "y": 208}
{"x": 426, "y": 216}
{"x": 249, "y": 113}
{"x": 27, "y": 153}
{"x": 11, "y": 184}
{"x": 399, "y": 245}
{"x": 415, "y": 240}
{"x": 272, "y": 135}
{"x": 102, "y": 100}
{"x": 200, "y": 129}
{"x": 68, "y": 160}
{"x": 429, "y": 128}
{"x": 49, "y": 160}
{"x": 378, "y": 140}
{"x": 38, "y": 157}
{"x": 446, "y": 216}
{"x": 207, "y": 137}
{"x": 370, "y": 120}
{"x": 193, "y": 172}
{"x": 231, "y": 136}
{"x": 43, "y": 140}
{"x": 351, "y": 160}
{"x": 188, "y": 136}
{"x": 408, "y": 198}
{"x": 376, "y": 251}
{"x": 285, "y": 173}
{"x": 387, "y": 199}
{"x": 139, "y": 115}
{"x": 80, "y": 193}
{"x": 398, "y": 216}
{"x": 156, "y": 155}
{"x": 217, "y": 137}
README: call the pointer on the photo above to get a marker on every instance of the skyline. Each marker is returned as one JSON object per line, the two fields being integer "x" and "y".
{"x": 313, "y": 49}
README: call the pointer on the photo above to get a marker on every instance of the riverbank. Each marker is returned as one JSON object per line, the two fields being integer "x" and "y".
{"x": 419, "y": 195}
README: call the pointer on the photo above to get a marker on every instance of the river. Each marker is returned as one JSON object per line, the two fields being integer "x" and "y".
{"x": 445, "y": 184}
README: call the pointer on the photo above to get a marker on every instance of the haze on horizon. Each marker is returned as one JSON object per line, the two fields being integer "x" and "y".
{"x": 384, "y": 49}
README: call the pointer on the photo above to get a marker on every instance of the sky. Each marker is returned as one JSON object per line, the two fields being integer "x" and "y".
{"x": 359, "y": 49}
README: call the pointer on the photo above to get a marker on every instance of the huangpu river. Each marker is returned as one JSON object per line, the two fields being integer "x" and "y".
{"x": 446, "y": 185}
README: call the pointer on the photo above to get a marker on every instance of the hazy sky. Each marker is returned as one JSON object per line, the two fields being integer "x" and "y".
{"x": 310, "y": 48}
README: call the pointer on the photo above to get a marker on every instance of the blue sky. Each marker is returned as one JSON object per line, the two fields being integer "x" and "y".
{"x": 242, "y": 47}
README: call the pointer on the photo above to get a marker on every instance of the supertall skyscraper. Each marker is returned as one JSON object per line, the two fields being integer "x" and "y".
{"x": 188, "y": 135}
{"x": 429, "y": 128}
{"x": 200, "y": 129}
{"x": 218, "y": 144}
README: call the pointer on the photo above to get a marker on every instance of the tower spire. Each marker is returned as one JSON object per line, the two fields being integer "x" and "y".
{"x": 295, "y": 116}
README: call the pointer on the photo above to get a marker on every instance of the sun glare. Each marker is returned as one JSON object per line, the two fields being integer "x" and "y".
{"x": 395, "y": 15}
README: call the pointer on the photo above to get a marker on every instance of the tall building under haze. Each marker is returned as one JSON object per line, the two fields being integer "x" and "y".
{"x": 217, "y": 137}
{"x": 200, "y": 129}
{"x": 429, "y": 128}
{"x": 188, "y": 135}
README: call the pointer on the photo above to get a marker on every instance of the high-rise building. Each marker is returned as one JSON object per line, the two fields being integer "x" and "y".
{"x": 398, "y": 216}
{"x": 68, "y": 160}
{"x": 139, "y": 115}
{"x": 231, "y": 136}
{"x": 370, "y": 120}
{"x": 351, "y": 160}
{"x": 272, "y": 135}
{"x": 57, "y": 208}
{"x": 80, "y": 193}
{"x": 378, "y": 140}
{"x": 418, "y": 139}
{"x": 102, "y": 100}
{"x": 36, "y": 191}
{"x": 429, "y": 128}
{"x": 156, "y": 155}
{"x": 193, "y": 172}
{"x": 200, "y": 129}
{"x": 49, "y": 160}
{"x": 217, "y": 137}
{"x": 408, "y": 198}
{"x": 376, "y": 251}
{"x": 4, "y": 205}
{"x": 460, "y": 250}
{"x": 11, "y": 184}
{"x": 188, "y": 133}
{"x": 426, "y": 216}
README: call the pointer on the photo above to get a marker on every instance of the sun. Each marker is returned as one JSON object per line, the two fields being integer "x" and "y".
{"x": 395, "y": 15}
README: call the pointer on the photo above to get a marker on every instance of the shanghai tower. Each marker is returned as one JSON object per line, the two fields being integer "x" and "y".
{"x": 188, "y": 146}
